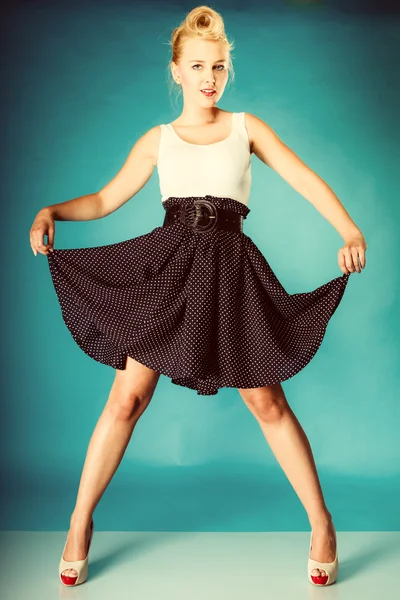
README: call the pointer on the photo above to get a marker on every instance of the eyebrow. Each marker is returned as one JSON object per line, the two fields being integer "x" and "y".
{"x": 201, "y": 61}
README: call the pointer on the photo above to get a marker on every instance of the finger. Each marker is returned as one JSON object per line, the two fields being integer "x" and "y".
{"x": 348, "y": 259}
{"x": 363, "y": 258}
{"x": 342, "y": 262}
{"x": 31, "y": 241}
{"x": 39, "y": 241}
{"x": 38, "y": 238}
{"x": 354, "y": 255}
{"x": 44, "y": 248}
{"x": 40, "y": 245}
{"x": 50, "y": 236}
{"x": 35, "y": 242}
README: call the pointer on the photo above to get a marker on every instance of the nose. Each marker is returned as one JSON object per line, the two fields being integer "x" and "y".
{"x": 211, "y": 78}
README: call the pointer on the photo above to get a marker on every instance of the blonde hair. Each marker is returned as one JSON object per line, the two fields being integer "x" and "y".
{"x": 201, "y": 22}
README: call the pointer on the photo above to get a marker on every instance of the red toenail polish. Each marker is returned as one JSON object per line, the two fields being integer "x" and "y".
{"x": 321, "y": 579}
{"x": 68, "y": 580}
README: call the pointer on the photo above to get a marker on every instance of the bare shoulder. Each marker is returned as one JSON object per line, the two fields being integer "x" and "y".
{"x": 263, "y": 139}
{"x": 271, "y": 150}
{"x": 149, "y": 142}
{"x": 255, "y": 127}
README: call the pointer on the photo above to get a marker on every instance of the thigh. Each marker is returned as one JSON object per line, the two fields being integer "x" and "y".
{"x": 136, "y": 380}
{"x": 268, "y": 392}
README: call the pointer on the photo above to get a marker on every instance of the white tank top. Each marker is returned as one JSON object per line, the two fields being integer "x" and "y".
{"x": 222, "y": 169}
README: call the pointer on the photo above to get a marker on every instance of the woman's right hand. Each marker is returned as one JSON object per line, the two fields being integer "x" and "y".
{"x": 42, "y": 225}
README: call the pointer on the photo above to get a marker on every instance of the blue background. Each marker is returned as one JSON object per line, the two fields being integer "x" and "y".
{"x": 82, "y": 81}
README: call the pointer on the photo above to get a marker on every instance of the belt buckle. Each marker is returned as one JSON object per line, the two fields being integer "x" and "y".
{"x": 201, "y": 215}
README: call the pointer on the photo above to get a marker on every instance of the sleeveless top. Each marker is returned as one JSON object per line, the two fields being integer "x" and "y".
{"x": 220, "y": 169}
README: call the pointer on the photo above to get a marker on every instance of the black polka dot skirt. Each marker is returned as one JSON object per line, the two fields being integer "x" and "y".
{"x": 203, "y": 308}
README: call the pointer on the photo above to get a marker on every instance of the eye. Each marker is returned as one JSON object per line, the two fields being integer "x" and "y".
{"x": 222, "y": 67}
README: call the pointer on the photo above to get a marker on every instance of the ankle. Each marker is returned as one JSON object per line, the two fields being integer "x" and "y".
{"x": 80, "y": 519}
{"x": 323, "y": 519}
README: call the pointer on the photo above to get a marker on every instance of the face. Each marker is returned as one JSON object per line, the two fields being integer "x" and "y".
{"x": 203, "y": 65}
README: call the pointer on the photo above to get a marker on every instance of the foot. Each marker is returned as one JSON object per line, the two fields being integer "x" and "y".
{"x": 77, "y": 544}
{"x": 323, "y": 547}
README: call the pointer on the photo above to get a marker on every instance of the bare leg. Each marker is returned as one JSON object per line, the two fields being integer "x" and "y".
{"x": 130, "y": 395}
{"x": 292, "y": 450}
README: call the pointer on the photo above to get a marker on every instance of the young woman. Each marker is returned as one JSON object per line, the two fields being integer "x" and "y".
{"x": 194, "y": 299}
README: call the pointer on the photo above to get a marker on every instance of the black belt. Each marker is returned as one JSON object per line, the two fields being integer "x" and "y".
{"x": 202, "y": 216}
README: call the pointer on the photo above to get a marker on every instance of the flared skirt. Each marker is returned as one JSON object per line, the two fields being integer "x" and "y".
{"x": 205, "y": 309}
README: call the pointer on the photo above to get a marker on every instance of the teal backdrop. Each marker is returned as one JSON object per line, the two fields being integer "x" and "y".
{"x": 82, "y": 81}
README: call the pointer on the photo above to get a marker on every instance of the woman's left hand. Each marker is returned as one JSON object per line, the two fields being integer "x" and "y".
{"x": 351, "y": 253}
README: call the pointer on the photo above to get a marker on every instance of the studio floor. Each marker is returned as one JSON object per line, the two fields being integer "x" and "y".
{"x": 192, "y": 566}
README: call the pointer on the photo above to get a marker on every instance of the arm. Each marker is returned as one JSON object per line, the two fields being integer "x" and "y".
{"x": 83, "y": 208}
{"x": 133, "y": 175}
{"x": 268, "y": 147}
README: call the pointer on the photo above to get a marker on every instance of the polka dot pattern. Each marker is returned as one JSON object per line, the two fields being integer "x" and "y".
{"x": 203, "y": 308}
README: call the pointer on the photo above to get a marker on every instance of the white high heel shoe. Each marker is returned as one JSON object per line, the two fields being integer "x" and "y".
{"x": 331, "y": 568}
{"x": 81, "y": 566}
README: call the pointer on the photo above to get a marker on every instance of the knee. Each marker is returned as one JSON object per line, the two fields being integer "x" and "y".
{"x": 129, "y": 407}
{"x": 127, "y": 403}
{"x": 267, "y": 403}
